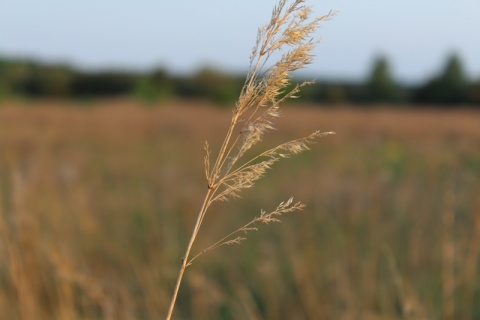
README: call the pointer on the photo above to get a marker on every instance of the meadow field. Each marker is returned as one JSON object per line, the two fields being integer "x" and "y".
{"x": 97, "y": 202}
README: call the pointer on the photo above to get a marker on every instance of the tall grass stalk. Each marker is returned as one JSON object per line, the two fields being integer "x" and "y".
{"x": 289, "y": 33}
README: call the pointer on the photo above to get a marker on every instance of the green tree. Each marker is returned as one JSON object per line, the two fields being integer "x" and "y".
{"x": 154, "y": 87}
{"x": 474, "y": 93}
{"x": 381, "y": 87}
{"x": 450, "y": 87}
{"x": 3, "y": 85}
{"x": 211, "y": 84}
{"x": 454, "y": 81}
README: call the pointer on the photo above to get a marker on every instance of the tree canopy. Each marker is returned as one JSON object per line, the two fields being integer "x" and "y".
{"x": 31, "y": 79}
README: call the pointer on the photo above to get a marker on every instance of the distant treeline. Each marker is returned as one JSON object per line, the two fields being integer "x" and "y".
{"x": 27, "y": 78}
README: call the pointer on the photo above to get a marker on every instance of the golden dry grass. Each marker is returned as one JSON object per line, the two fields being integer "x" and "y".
{"x": 97, "y": 202}
{"x": 230, "y": 170}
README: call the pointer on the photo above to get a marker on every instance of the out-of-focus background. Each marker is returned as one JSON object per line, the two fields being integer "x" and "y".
{"x": 406, "y": 52}
{"x": 104, "y": 110}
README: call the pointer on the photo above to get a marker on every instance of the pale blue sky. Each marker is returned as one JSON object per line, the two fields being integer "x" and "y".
{"x": 183, "y": 35}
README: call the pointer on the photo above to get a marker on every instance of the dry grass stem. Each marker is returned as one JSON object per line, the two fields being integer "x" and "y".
{"x": 290, "y": 31}
{"x": 448, "y": 254}
{"x": 264, "y": 217}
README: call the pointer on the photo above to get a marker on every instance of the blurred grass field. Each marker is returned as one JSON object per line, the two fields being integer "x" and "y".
{"x": 98, "y": 200}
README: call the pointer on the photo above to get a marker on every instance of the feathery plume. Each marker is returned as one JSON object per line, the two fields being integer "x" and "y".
{"x": 290, "y": 31}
